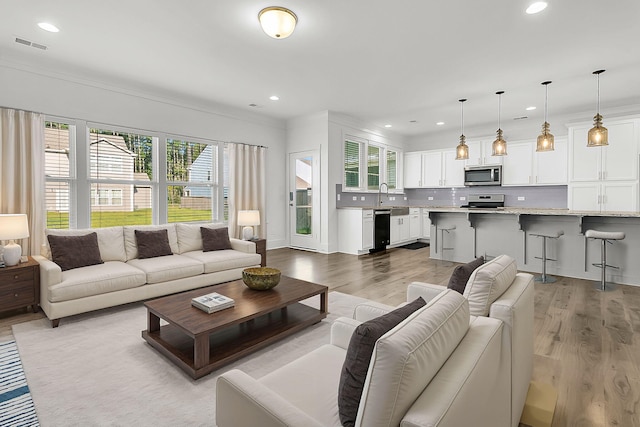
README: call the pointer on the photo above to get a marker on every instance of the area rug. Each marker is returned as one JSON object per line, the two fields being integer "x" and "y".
{"x": 415, "y": 245}
{"x": 16, "y": 405}
{"x": 96, "y": 370}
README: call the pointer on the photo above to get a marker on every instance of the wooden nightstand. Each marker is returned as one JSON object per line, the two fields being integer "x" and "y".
{"x": 20, "y": 286}
{"x": 261, "y": 248}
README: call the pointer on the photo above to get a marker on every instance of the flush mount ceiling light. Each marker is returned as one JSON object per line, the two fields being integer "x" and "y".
{"x": 277, "y": 22}
{"x": 598, "y": 134}
{"x": 274, "y": 98}
{"x": 462, "y": 150}
{"x": 545, "y": 139}
{"x": 440, "y": 123}
{"x": 499, "y": 146}
{"x": 387, "y": 126}
{"x": 536, "y": 7}
{"x": 48, "y": 27}
{"x": 530, "y": 108}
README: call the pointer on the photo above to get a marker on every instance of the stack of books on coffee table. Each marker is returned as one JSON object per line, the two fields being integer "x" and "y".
{"x": 210, "y": 303}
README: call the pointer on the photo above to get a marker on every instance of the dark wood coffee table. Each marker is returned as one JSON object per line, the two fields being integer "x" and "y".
{"x": 200, "y": 343}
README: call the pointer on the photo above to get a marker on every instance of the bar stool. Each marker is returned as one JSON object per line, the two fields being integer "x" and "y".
{"x": 447, "y": 229}
{"x": 606, "y": 237}
{"x": 553, "y": 235}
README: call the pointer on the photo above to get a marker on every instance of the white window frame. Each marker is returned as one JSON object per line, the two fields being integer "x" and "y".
{"x": 363, "y": 185}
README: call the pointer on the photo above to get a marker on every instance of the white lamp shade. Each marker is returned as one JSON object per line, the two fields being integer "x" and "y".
{"x": 13, "y": 226}
{"x": 249, "y": 218}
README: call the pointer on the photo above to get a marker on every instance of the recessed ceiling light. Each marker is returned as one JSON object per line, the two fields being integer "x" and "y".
{"x": 530, "y": 108}
{"x": 274, "y": 98}
{"x": 387, "y": 126}
{"x": 48, "y": 27}
{"x": 440, "y": 123}
{"x": 536, "y": 7}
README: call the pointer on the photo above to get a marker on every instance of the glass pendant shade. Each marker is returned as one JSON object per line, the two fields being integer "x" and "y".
{"x": 545, "y": 139}
{"x": 462, "y": 150}
{"x": 499, "y": 145}
{"x": 598, "y": 134}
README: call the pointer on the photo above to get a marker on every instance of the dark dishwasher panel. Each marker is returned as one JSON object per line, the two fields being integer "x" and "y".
{"x": 381, "y": 230}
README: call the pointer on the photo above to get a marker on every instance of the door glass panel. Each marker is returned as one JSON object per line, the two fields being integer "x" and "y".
{"x": 304, "y": 172}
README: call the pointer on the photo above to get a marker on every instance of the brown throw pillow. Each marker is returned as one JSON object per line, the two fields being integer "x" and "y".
{"x": 356, "y": 363}
{"x": 152, "y": 243}
{"x": 75, "y": 251}
{"x": 215, "y": 239}
{"x": 461, "y": 274}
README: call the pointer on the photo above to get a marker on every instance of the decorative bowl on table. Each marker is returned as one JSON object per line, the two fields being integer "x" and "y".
{"x": 261, "y": 278}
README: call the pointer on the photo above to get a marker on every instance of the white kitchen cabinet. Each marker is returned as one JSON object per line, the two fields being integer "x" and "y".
{"x": 355, "y": 230}
{"x": 414, "y": 224}
{"x": 615, "y": 196}
{"x": 433, "y": 169}
{"x": 400, "y": 229}
{"x": 413, "y": 170}
{"x": 617, "y": 161}
{"x": 452, "y": 169}
{"x": 480, "y": 154}
{"x": 524, "y": 166}
{"x": 426, "y": 224}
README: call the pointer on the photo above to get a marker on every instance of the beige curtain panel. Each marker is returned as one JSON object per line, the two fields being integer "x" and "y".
{"x": 22, "y": 174}
{"x": 247, "y": 185}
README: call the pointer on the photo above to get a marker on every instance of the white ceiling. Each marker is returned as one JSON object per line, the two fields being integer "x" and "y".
{"x": 380, "y": 61}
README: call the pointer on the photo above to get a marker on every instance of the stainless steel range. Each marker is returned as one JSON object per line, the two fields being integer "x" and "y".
{"x": 485, "y": 201}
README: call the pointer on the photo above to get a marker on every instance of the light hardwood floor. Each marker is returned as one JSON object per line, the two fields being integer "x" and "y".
{"x": 586, "y": 344}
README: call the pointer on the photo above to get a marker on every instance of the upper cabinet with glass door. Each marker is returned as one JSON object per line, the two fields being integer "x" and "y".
{"x": 367, "y": 165}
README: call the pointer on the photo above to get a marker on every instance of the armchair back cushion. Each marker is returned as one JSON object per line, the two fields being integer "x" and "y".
{"x": 407, "y": 357}
{"x": 461, "y": 274}
{"x": 488, "y": 282}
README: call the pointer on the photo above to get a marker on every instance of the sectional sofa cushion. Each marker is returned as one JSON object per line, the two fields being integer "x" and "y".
{"x": 488, "y": 282}
{"x": 406, "y": 358}
{"x": 110, "y": 241}
{"x": 190, "y": 236}
{"x": 215, "y": 261}
{"x": 356, "y": 364}
{"x": 461, "y": 274}
{"x": 165, "y": 268}
{"x": 95, "y": 280}
{"x": 131, "y": 245}
{"x": 152, "y": 243}
{"x": 215, "y": 239}
{"x": 75, "y": 251}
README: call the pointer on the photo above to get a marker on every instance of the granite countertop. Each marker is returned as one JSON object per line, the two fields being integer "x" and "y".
{"x": 511, "y": 210}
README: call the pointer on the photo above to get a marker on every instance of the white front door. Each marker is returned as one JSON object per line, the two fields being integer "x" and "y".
{"x": 304, "y": 200}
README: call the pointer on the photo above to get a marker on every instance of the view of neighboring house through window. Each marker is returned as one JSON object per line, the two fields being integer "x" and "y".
{"x": 373, "y": 167}
{"x": 392, "y": 169}
{"x": 120, "y": 175}
{"x": 59, "y": 171}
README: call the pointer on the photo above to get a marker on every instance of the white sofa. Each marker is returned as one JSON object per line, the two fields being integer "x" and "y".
{"x": 124, "y": 278}
{"x": 438, "y": 367}
{"x": 494, "y": 290}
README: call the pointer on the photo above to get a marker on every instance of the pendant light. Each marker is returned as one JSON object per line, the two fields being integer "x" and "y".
{"x": 499, "y": 145}
{"x": 598, "y": 134}
{"x": 545, "y": 139}
{"x": 462, "y": 150}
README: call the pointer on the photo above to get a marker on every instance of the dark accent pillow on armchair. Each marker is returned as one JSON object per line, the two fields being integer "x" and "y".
{"x": 356, "y": 362}
{"x": 461, "y": 274}
{"x": 215, "y": 239}
{"x": 75, "y": 251}
{"x": 152, "y": 243}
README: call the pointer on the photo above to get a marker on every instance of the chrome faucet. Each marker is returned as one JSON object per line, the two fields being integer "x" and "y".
{"x": 380, "y": 193}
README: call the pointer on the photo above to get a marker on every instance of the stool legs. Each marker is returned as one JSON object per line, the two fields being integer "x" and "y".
{"x": 603, "y": 285}
{"x": 543, "y": 278}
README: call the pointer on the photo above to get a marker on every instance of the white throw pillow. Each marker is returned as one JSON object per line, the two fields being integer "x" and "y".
{"x": 110, "y": 241}
{"x": 406, "y": 358}
{"x": 131, "y": 244}
{"x": 189, "y": 237}
{"x": 488, "y": 282}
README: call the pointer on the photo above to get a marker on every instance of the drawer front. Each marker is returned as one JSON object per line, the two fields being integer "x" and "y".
{"x": 20, "y": 275}
{"x": 17, "y": 294}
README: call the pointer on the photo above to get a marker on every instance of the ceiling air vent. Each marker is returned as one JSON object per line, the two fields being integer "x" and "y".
{"x": 32, "y": 44}
{"x": 520, "y": 118}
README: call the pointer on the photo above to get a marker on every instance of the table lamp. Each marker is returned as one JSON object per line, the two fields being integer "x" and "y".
{"x": 248, "y": 219}
{"x": 13, "y": 227}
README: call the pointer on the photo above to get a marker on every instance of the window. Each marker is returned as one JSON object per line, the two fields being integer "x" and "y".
{"x": 380, "y": 164}
{"x": 106, "y": 197}
{"x": 59, "y": 171}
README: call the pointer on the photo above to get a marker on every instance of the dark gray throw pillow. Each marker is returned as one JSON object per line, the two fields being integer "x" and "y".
{"x": 152, "y": 243}
{"x": 461, "y": 274}
{"x": 75, "y": 251}
{"x": 356, "y": 363}
{"x": 215, "y": 239}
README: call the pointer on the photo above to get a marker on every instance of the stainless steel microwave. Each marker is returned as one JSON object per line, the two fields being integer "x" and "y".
{"x": 483, "y": 175}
